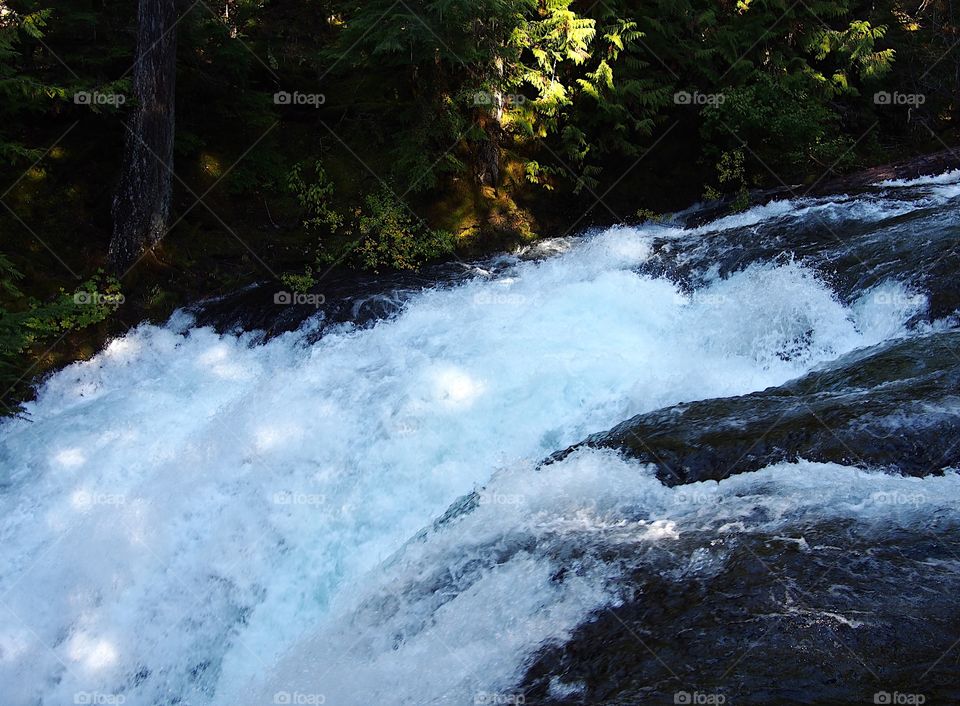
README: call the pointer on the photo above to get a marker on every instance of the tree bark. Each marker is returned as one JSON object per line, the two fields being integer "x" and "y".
{"x": 141, "y": 206}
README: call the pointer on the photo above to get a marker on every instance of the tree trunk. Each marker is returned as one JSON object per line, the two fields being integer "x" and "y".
{"x": 488, "y": 167}
{"x": 141, "y": 207}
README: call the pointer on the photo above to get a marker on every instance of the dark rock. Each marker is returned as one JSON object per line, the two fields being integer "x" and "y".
{"x": 835, "y": 624}
{"x": 913, "y": 168}
{"x": 894, "y": 406}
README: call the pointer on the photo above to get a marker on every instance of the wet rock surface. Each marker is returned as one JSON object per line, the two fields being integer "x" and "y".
{"x": 854, "y": 244}
{"x": 821, "y": 615}
{"x": 339, "y": 297}
{"x": 824, "y": 610}
{"x": 821, "y": 610}
{"x": 794, "y": 544}
{"x": 893, "y": 407}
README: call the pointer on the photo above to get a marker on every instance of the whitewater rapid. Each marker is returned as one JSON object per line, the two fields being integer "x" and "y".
{"x": 199, "y": 518}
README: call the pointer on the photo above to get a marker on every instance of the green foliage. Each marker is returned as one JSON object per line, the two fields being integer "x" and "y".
{"x": 855, "y": 49}
{"x": 621, "y": 99}
{"x": 508, "y": 72}
{"x": 779, "y": 123}
{"x": 645, "y": 215}
{"x": 391, "y": 236}
{"x": 299, "y": 282}
{"x": 732, "y": 178}
{"x": 315, "y": 197}
{"x": 26, "y": 323}
{"x": 382, "y": 233}
{"x": 434, "y": 92}
{"x": 459, "y": 104}
{"x": 442, "y": 99}
{"x": 19, "y": 92}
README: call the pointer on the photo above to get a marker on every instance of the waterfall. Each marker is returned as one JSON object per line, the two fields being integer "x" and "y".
{"x": 362, "y": 516}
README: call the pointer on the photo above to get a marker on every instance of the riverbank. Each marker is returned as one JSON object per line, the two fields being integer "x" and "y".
{"x": 768, "y": 486}
{"x": 206, "y": 258}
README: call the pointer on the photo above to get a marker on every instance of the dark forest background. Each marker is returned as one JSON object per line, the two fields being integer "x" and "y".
{"x": 383, "y": 134}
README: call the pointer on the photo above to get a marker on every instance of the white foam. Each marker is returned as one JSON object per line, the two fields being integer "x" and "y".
{"x": 465, "y": 608}
{"x": 751, "y": 216}
{"x": 878, "y": 307}
{"x": 185, "y": 505}
{"x": 948, "y": 177}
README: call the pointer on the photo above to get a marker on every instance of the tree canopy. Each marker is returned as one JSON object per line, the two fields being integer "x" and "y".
{"x": 385, "y": 133}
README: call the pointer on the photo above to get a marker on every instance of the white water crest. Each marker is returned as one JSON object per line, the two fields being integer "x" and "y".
{"x": 188, "y": 509}
{"x": 950, "y": 177}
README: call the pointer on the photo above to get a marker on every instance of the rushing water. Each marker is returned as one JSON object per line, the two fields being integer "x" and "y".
{"x": 356, "y": 512}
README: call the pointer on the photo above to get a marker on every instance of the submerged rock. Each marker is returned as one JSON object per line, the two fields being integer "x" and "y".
{"x": 832, "y": 617}
{"x": 854, "y": 244}
{"x": 895, "y": 406}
